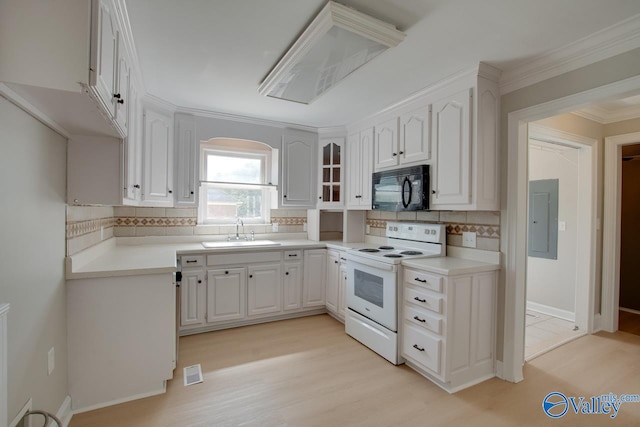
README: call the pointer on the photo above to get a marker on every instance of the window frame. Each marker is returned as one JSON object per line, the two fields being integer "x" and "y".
{"x": 223, "y": 150}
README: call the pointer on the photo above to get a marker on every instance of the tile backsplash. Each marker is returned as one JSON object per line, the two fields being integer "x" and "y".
{"x": 136, "y": 221}
{"x": 87, "y": 226}
{"x": 485, "y": 224}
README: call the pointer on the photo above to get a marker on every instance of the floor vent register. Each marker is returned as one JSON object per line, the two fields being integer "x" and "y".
{"x": 192, "y": 375}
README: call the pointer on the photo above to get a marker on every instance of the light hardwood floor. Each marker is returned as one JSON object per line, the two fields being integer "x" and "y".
{"x": 307, "y": 372}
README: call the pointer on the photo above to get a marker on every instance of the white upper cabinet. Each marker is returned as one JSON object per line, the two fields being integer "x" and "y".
{"x": 133, "y": 152}
{"x": 386, "y": 144}
{"x": 415, "y": 136}
{"x": 465, "y": 172}
{"x": 122, "y": 93}
{"x": 298, "y": 171}
{"x": 359, "y": 169}
{"x": 331, "y": 173}
{"x": 106, "y": 59}
{"x": 451, "y": 134}
{"x": 157, "y": 187}
{"x": 403, "y": 140}
{"x": 186, "y": 155}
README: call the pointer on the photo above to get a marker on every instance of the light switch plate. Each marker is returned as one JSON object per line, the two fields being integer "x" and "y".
{"x": 469, "y": 239}
{"x": 562, "y": 225}
{"x": 274, "y": 227}
{"x": 51, "y": 360}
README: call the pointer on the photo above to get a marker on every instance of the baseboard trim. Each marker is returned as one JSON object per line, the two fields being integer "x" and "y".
{"x": 551, "y": 311}
{"x": 499, "y": 370}
{"x": 122, "y": 400}
{"x": 64, "y": 413}
{"x": 236, "y": 324}
{"x": 629, "y": 310}
{"x": 597, "y": 323}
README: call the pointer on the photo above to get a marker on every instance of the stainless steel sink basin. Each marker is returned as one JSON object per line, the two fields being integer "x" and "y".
{"x": 240, "y": 243}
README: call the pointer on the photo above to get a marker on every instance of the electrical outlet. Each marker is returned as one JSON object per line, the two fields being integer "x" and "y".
{"x": 274, "y": 227}
{"x": 367, "y": 229}
{"x": 51, "y": 360}
{"x": 304, "y": 226}
{"x": 101, "y": 232}
{"x": 469, "y": 239}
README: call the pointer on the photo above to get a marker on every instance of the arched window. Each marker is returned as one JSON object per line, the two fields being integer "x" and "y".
{"x": 235, "y": 181}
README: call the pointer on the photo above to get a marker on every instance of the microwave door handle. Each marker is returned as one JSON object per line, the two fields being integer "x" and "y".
{"x": 408, "y": 202}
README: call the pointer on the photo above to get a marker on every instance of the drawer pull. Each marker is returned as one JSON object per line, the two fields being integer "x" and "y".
{"x": 419, "y": 299}
{"x": 418, "y": 348}
{"x": 293, "y": 254}
{"x": 417, "y": 279}
{"x": 419, "y": 319}
{"x": 189, "y": 261}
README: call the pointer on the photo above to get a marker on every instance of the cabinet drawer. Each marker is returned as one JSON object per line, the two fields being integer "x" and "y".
{"x": 423, "y": 319}
{"x": 243, "y": 258}
{"x": 292, "y": 255}
{"x": 423, "y": 299}
{"x": 422, "y": 348}
{"x": 192, "y": 261}
{"x": 426, "y": 280}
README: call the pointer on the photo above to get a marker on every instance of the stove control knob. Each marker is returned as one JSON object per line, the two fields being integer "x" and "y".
{"x": 433, "y": 232}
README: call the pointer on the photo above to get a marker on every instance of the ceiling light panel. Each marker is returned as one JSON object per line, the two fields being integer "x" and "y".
{"x": 337, "y": 42}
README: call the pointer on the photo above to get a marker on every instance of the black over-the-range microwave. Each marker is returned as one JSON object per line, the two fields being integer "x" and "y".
{"x": 404, "y": 189}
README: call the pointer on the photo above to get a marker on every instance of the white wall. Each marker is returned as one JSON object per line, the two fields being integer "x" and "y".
{"x": 32, "y": 232}
{"x": 552, "y": 283}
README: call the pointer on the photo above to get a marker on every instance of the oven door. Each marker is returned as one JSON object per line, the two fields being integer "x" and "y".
{"x": 372, "y": 290}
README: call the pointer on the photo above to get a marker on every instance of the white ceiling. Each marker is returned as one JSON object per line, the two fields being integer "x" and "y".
{"x": 213, "y": 54}
{"x": 613, "y": 111}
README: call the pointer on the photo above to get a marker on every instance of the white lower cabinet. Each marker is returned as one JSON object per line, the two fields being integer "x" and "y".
{"x": 336, "y": 283}
{"x": 292, "y": 285}
{"x": 313, "y": 286}
{"x": 264, "y": 289}
{"x": 192, "y": 298}
{"x": 448, "y": 327}
{"x": 223, "y": 290}
{"x": 226, "y": 294}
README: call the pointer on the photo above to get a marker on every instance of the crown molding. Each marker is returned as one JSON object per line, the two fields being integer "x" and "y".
{"x": 619, "y": 38}
{"x": 602, "y": 116}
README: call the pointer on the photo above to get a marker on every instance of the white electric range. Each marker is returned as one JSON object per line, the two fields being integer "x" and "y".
{"x": 373, "y": 277}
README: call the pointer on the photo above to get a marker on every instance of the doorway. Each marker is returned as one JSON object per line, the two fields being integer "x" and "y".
{"x": 618, "y": 268}
{"x": 560, "y": 177}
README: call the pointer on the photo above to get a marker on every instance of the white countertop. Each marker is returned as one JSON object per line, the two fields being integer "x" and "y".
{"x": 118, "y": 258}
{"x": 134, "y": 256}
{"x": 450, "y": 266}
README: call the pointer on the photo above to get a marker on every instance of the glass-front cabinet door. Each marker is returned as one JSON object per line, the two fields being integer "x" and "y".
{"x": 331, "y": 171}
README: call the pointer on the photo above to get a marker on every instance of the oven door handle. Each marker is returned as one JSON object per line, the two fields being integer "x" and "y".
{"x": 378, "y": 265}
{"x": 407, "y": 202}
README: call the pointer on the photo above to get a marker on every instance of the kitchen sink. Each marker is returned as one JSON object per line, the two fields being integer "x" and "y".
{"x": 240, "y": 243}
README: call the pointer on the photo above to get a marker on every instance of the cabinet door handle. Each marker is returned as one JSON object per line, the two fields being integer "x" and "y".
{"x": 419, "y": 319}
{"x": 417, "y": 279}
{"x": 189, "y": 261}
{"x": 251, "y": 276}
{"x": 419, "y": 299}
{"x": 226, "y": 272}
{"x": 294, "y": 255}
{"x": 120, "y": 101}
{"x": 136, "y": 186}
{"x": 344, "y": 259}
{"x": 319, "y": 197}
{"x": 117, "y": 96}
{"x": 170, "y": 192}
{"x": 418, "y": 348}
{"x": 401, "y": 153}
{"x": 285, "y": 196}
{"x": 395, "y": 154}
{"x": 335, "y": 262}
{"x": 192, "y": 192}
{"x": 199, "y": 281}
{"x": 286, "y": 273}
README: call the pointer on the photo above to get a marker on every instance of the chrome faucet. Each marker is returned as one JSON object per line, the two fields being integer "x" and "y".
{"x": 238, "y": 224}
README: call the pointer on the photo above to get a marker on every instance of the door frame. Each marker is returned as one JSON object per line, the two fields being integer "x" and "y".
{"x": 612, "y": 227}
{"x": 586, "y": 222}
{"x": 514, "y": 237}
